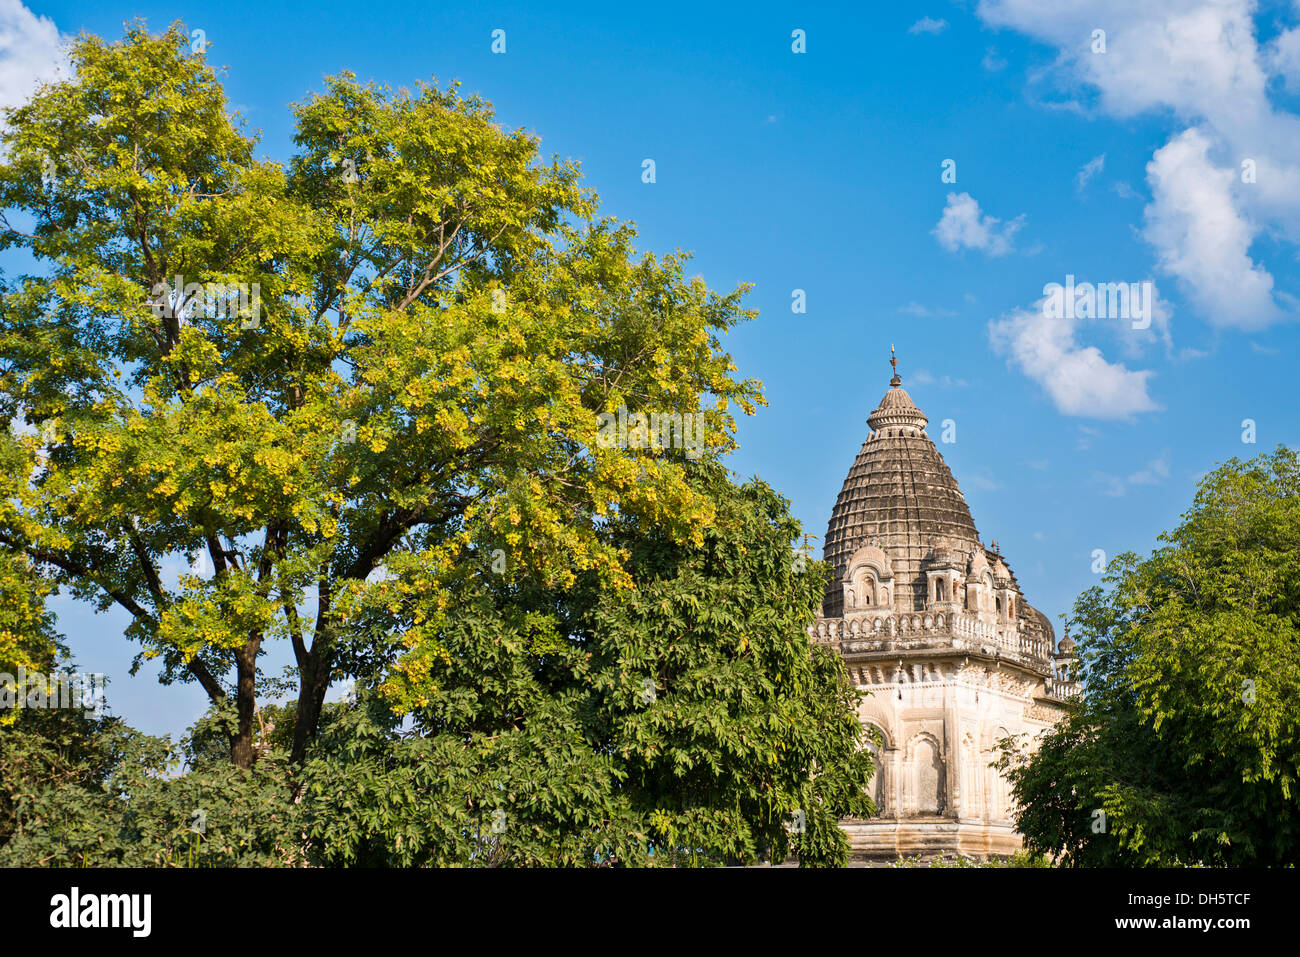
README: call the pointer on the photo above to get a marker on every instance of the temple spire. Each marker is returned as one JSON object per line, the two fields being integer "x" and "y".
{"x": 896, "y": 406}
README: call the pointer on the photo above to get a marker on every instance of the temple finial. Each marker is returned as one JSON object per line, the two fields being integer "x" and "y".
{"x": 893, "y": 362}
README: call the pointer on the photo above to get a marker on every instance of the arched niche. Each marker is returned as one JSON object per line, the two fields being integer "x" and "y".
{"x": 878, "y": 787}
{"x": 867, "y": 580}
{"x": 925, "y": 776}
{"x": 999, "y": 789}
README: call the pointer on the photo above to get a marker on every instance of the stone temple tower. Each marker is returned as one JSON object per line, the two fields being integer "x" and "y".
{"x": 932, "y": 622}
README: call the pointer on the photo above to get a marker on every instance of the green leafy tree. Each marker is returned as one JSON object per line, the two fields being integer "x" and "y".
{"x": 684, "y": 720}
{"x": 358, "y": 395}
{"x": 379, "y": 364}
{"x": 1185, "y": 747}
{"x": 77, "y": 791}
{"x": 46, "y": 738}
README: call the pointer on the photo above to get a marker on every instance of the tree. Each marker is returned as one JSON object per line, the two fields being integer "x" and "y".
{"x": 1185, "y": 747}
{"x": 50, "y": 743}
{"x": 687, "y": 719}
{"x": 28, "y": 639}
{"x": 77, "y": 791}
{"x": 385, "y": 360}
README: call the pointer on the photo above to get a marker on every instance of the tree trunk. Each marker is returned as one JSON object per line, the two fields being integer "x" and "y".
{"x": 314, "y": 671}
{"x": 243, "y": 750}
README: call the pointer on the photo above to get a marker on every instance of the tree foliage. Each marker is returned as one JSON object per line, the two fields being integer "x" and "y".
{"x": 686, "y": 720}
{"x": 351, "y": 402}
{"x": 689, "y": 721}
{"x": 1185, "y": 747}
{"x": 28, "y": 639}
{"x": 439, "y": 317}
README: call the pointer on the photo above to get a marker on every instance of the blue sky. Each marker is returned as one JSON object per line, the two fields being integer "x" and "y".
{"x": 821, "y": 171}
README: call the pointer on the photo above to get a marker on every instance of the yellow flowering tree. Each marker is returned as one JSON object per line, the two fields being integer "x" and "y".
{"x": 27, "y": 636}
{"x": 253, "y": 401}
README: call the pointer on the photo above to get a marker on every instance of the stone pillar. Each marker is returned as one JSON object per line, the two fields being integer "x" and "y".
{"x": 895, "y": 781}
{"x": 952, "y": 753}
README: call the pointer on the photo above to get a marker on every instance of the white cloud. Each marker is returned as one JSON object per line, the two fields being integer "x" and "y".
{"x": 983, "y": 480}
{"x": 30, "y": 53}
{"x": 1077, "y": 378}
{"x": 992, "y": 61}
{"x": 1203, "y": 238}
{"x": 928, "y": 25}
{"x": 1194, "y": 57}
{"x": 925, "y": 377}
{"x": 1201, "y": 63}
{"x": 1283, "y": 58}
{"x": 1089, "y": 170}
{"x": 1136, "y": 335}
{"x": 1155, "y": 473}
{"x": 914, "y": 308}
{"x": 963, "y": 226}
{"x": 1113, "y": 485}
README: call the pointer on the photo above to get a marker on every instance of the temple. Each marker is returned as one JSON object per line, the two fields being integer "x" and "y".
{"x": 932, "y": 622}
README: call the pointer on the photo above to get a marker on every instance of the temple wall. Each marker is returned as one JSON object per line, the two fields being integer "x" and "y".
{"x": 940, "y": 727}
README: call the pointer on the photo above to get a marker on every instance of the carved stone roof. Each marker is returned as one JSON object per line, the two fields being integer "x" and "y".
{"x": 900, "y": 495}
{"x": 897, "y": 408}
